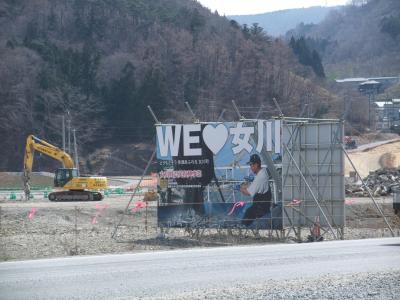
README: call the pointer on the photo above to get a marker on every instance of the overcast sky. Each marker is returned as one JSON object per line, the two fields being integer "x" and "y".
{"x": 245, "y": 7}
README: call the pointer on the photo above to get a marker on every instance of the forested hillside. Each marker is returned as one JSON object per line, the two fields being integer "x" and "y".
{"x": 277, "y": 23}
{"x": 362, "y": 39}
{"x": 104, "y": 61}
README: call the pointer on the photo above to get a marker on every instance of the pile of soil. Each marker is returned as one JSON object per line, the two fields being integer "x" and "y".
{"x": 384, "y": 156}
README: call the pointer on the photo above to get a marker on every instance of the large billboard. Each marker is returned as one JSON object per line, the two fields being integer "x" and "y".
{"x": 201, "y": 168}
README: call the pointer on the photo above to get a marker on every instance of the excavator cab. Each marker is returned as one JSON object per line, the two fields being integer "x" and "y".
{"x": 63, "y": 175}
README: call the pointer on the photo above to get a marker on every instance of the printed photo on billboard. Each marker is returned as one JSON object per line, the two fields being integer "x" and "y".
{"x": 214, "y": 175}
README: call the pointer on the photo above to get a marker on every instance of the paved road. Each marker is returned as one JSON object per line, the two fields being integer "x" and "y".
{"x": 369, "y": 146}
{"x": 155, "y": 274}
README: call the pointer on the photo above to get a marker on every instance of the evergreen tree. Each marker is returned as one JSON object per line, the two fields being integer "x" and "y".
{"x": 292, "y": 44}
{"x": 119, "y": 98}
{"x": 391, "y": 26}
{"x": 307, "y": 57}
{"x": 153, "y": 93}
{"x": 317, "y": 64}
{"x": 246, "y": 31}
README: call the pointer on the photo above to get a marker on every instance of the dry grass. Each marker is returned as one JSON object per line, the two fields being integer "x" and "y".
{"x": 10, "y": 180}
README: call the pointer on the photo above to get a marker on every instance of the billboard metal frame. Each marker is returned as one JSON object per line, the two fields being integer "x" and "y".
{"x": 313, "y": 173}
{"x": 308, "y": 185}
{"x": 308, "y": 176}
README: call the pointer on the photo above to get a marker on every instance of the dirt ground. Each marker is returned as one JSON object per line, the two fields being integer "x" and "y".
{"x": 387, "y": 156}
{"x": 371, "y": 137}
{"x": 40, "y": 229}
{"x": 13, "y": 180}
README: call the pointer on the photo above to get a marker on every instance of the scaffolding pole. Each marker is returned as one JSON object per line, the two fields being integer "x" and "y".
{"x": 220, "y": 118}
{"x": 309, "y": 188}
{"x": 135, "y": 191}
{"x": 369, "y": 192}
{"x": 153, "y": 114}
{"x": 278, "y": 107}
{"x": 194, "y": 118}
{"x": 237, "y": 110}
{"x": 314, "y": 180}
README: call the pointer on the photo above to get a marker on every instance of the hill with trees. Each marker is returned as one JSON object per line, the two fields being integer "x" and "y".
{"x": 277, "y": 23}
{"x": 358, "y": 40}
{"x": 100, "y": 63}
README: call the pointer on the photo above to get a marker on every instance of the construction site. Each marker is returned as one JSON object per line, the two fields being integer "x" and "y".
{"x": 197, "y": 149}
{"x": 321, "y": 191}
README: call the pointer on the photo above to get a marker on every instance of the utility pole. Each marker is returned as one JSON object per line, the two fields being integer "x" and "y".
{"x": 212, "y": 109}
{"x": 371, "y": 100}
{"x": 76, "y": 152}
{"x": 63, "y": 133}
{"x": 69, "y": 133}
{"x": 369, "y": 110}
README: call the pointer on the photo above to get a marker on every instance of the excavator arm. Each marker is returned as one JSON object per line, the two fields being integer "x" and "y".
{"x": 35, "y": 144}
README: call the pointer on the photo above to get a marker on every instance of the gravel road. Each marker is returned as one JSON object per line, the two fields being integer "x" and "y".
{"x": 379, "y": 285}
{"x": 359, "y": 269}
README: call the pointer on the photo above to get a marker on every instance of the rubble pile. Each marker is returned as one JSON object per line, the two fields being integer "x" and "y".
{"x": 381, "y": 183}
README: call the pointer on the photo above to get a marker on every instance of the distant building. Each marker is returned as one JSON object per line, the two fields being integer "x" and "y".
{"x": 372, "y": 84}
{"x": 393, "y": 79}
{"x": 387, "y": 114}
{"x": 371, "y": 87}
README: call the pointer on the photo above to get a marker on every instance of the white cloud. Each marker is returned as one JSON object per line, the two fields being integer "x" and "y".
{"x": 243, "y": 7}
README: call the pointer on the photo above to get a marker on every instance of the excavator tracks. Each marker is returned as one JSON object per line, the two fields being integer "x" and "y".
{"x": 75, "y": 196}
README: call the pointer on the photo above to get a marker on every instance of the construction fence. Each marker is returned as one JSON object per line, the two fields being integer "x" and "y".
{"x": 39, "y": 228}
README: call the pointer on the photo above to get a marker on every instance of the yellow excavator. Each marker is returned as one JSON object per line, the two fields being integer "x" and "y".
{"x": 74, "y": 187}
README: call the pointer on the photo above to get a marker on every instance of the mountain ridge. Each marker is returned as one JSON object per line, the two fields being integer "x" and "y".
{"x": 279, "y": 22}
{"x": 100, "y": 63}
{"x": 354, "y": 41}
